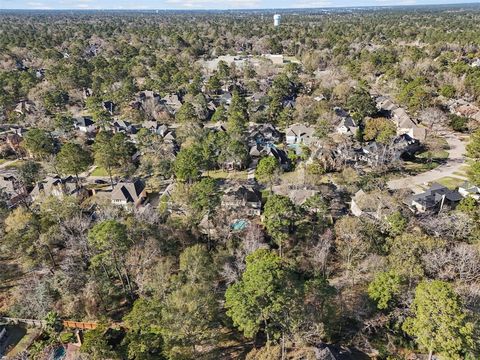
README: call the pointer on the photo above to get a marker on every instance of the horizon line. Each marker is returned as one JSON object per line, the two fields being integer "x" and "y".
{"x": 386, "y": 6}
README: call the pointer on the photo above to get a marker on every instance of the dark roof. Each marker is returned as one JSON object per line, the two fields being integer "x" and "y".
{"x": 435, "y": 194}
{"x": 84, "y": 121}
{"x": 129, "y": 191}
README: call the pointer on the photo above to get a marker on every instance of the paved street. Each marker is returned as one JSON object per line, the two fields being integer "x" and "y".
{"x": 455, "y": 162}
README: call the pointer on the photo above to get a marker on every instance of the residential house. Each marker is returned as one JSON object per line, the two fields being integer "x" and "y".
{"x": 262, "y": 134}
{"x": 57, "y": 187}
{"x": 12, "y": 188}
{"x": 13, "y": 141}
{"x": 109, "y": 106}
{"x": 258, "y": 151}
{"x": 225, "y": 98}
{"x": 123, "y": 126}
{"x": 374, "y": 204}
{"x": 403, "y": 122}
{"x": 242, "y": 198}
{"x": 299, "y": 134}
{"x": 84, "y": 124}
{"x": 160, "y": 129}
{"x": 435, "y": 199}
{"x": 172, "y": 102}
{"x": 129, "y": 193}
{"x": 469, "y": 190}
{"x": 347, "y": 126}
{"x": 24, "y": 107}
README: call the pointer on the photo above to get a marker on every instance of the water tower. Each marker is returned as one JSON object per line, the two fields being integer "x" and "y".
{"x": 276, "y": 19}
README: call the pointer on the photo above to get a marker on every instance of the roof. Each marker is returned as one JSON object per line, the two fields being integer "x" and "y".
{"x": 245, "y": 192}
{"x": 128, "y": 191}
{"x": 84, "y": 121}
{"x": 434, "y": 195}
{"x": 300, "y": 130}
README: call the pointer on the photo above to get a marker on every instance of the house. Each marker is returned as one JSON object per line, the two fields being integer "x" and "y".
{"x": 57, "y": 187}
{"x": 13, "y": 189}
{"x": 405, "y": 125}
{"x": 24, "y": 107}
{"x": 172, "y": 102}
{"x": 160, "y": 129}
{"x": 347, "y": 126}
{"x": 128, "y": 192}
{"x": 242, "y": 198}
{"x": 109, "y": 106}
{"x": 403, "y": 122}
{"x": 435, "y": 198}
{"x": 468, "y": 190}
{"x": 299, "y": 134}
{"x": 225, "y": 98}
{"x": 257, "y": 151}
{"x": 123, "y": 126}
{"x": 374, "y": 204}
{"x": 84, "y": 124}
{"x": 262, "y": 134}
{"x": 13, "y": 141}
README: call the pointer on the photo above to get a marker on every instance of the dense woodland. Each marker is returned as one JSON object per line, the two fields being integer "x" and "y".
{"x": 176, "y": 280}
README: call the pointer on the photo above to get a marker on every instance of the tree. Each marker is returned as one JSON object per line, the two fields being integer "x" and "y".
{"x": 187, "y": 165}
{"x": 379, "y": 129}
{"x": 112, "y": 152}
{"x": 267, "y": 170}
{"x": 143, "y": 339}
{"x": 361, "y": 103}
{"x": 204, "y": 196}
{"x": 279, "y": 218}
{"x": 96, "y": 344}
{"x": 39, "y": 143}
{"x": 447, "y": 91}
{"x": 64, "y": 122}
{"x": 266, "y": 298}
{"x": 189, "y": 313}
{"x": 473, "y": 152}
{"x": 385, "y": 288}
{"x": 29, "y": 172}
{"x": 73, "y": 159}
{"x": 438, "y": 322}
{"x": 109, "y": 242}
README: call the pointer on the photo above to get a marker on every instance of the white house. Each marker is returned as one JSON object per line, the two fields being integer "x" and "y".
{"x": 85, "y": 124}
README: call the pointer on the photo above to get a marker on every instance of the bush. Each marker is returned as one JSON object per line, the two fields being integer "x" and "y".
{"x": 67, "y": 337}
{"x": 458, "y": 123}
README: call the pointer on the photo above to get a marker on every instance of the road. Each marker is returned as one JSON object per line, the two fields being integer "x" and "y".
{"x": 455, "y": 162}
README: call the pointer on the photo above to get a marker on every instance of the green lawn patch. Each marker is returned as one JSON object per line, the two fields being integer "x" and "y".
{"x": 99, "y": 171}
{"x": 222, "y": 174}
{"x": 450, "y": 182}
{"x": 15, "y": 164}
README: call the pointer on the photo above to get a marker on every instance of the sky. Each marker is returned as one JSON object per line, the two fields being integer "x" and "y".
{"x": 208, "y": 4}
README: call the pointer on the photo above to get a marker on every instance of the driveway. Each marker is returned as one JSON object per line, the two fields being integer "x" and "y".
{"x": 455, "y": 162}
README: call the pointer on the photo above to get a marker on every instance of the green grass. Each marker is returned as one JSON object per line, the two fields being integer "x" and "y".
{"x": 437, "y": 155}
{"x": 99, "y": 171}
{"x": 450, "y": 182}
{"x": 222, "y": 174}
{"x": 419, "y": 167}
{"x": 15, "y": 164}
{"x": 2, "y": 161}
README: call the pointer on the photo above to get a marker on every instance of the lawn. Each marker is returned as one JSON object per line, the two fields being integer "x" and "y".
{"x": 450, "y": 182}
{"x": 99, "y": 171}
{"x": 222, "y": 174}
{"x": 15, "y": 164}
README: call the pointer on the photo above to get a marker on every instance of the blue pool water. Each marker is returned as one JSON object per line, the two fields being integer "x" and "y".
{"x": 239, "y": 225}
{"x": 59, "y": 353}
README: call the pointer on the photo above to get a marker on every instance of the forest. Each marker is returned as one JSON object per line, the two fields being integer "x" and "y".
{"x": 206, "y": 185}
